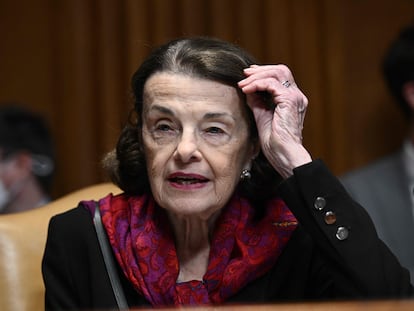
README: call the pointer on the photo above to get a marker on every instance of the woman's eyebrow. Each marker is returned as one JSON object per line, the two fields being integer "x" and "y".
{"x": 207, "y": 116}
{"x": 162, "y": 109}
{"x": 215, "y": 115}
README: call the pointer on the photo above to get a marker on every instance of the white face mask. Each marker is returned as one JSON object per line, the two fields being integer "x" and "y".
{"x": 4, "y": 196}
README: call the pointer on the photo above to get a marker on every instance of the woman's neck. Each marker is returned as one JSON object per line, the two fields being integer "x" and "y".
{"x": 192, "y": 241}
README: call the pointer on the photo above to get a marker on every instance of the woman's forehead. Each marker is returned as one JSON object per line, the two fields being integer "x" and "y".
{"x": 172, "y": 86}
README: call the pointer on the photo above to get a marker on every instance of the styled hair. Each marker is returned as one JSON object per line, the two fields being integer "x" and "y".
{"x": 22, "y": 130}
{"x": 200, "y": 57}
{"x": 398, "y": 65}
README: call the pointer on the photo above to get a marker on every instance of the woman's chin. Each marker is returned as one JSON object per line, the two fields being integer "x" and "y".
{"x": 198, "y": 208}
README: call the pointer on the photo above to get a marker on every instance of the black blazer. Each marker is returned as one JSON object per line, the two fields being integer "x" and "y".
{"x": 317, "y": 263}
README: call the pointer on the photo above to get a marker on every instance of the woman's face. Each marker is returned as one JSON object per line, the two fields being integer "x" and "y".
{"x": 196, "y": 142}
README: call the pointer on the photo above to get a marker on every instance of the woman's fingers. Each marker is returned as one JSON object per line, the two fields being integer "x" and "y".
{"x": 277, "y": 73}
{"x": 280, "y": 128}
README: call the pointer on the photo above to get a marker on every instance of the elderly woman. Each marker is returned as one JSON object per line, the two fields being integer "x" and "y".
{"x": 221, "y": 202}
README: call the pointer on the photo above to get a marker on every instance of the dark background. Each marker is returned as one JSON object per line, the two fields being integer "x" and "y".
{"x": 71, "y": 60}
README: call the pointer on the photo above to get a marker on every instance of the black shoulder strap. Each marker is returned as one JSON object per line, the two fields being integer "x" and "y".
{"x": 109, "y": 262}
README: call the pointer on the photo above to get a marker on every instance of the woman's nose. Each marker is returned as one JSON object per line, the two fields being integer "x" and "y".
{"x": 187, "y": 148}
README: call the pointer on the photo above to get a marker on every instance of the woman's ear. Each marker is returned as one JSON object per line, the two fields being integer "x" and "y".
{"x": 408, "y": 94}
{"x": 254, "y": 152}
{"x": 256, "y": 149}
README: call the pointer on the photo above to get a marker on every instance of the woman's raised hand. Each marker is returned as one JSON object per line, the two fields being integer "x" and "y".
{"x": 280, "y": 126}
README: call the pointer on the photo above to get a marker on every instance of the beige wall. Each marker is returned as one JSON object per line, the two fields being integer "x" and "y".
{"x": 72, "y": 61}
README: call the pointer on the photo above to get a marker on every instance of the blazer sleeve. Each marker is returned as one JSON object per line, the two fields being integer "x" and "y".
{"x": 359, "y": 262}
{"x": 73, "y": 269}
{"x": 60, "y": 289}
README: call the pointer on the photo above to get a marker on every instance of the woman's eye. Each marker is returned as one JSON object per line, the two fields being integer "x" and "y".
{"x": 163, "y": 127}
{"x": 214, "y": 130}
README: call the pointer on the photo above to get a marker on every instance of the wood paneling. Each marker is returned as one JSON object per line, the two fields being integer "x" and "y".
{"x": 72, "y": 60}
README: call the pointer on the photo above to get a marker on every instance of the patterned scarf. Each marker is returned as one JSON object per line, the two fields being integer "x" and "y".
{"x": 242, "y": 248}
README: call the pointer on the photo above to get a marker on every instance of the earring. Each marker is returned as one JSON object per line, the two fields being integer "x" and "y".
{"x": 245, "y": 174}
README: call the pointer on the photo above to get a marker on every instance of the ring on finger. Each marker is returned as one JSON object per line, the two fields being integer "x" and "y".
{"x": 286, "y": 83}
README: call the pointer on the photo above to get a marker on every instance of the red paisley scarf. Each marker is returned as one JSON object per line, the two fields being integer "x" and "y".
{"x": 242, "y": 249}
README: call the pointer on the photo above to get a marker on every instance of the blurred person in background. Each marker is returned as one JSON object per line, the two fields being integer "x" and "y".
{"x": 26, "y": 159}
{"x": 386, "y": 187}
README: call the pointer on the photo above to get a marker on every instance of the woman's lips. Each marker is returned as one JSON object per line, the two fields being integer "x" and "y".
{"x": 187, "y": 181}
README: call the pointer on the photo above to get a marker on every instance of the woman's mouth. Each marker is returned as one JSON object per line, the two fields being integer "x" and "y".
{"x": 180, "y": 179}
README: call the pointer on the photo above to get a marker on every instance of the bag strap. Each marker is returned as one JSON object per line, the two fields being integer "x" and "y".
{"x": 108, "y": 259}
